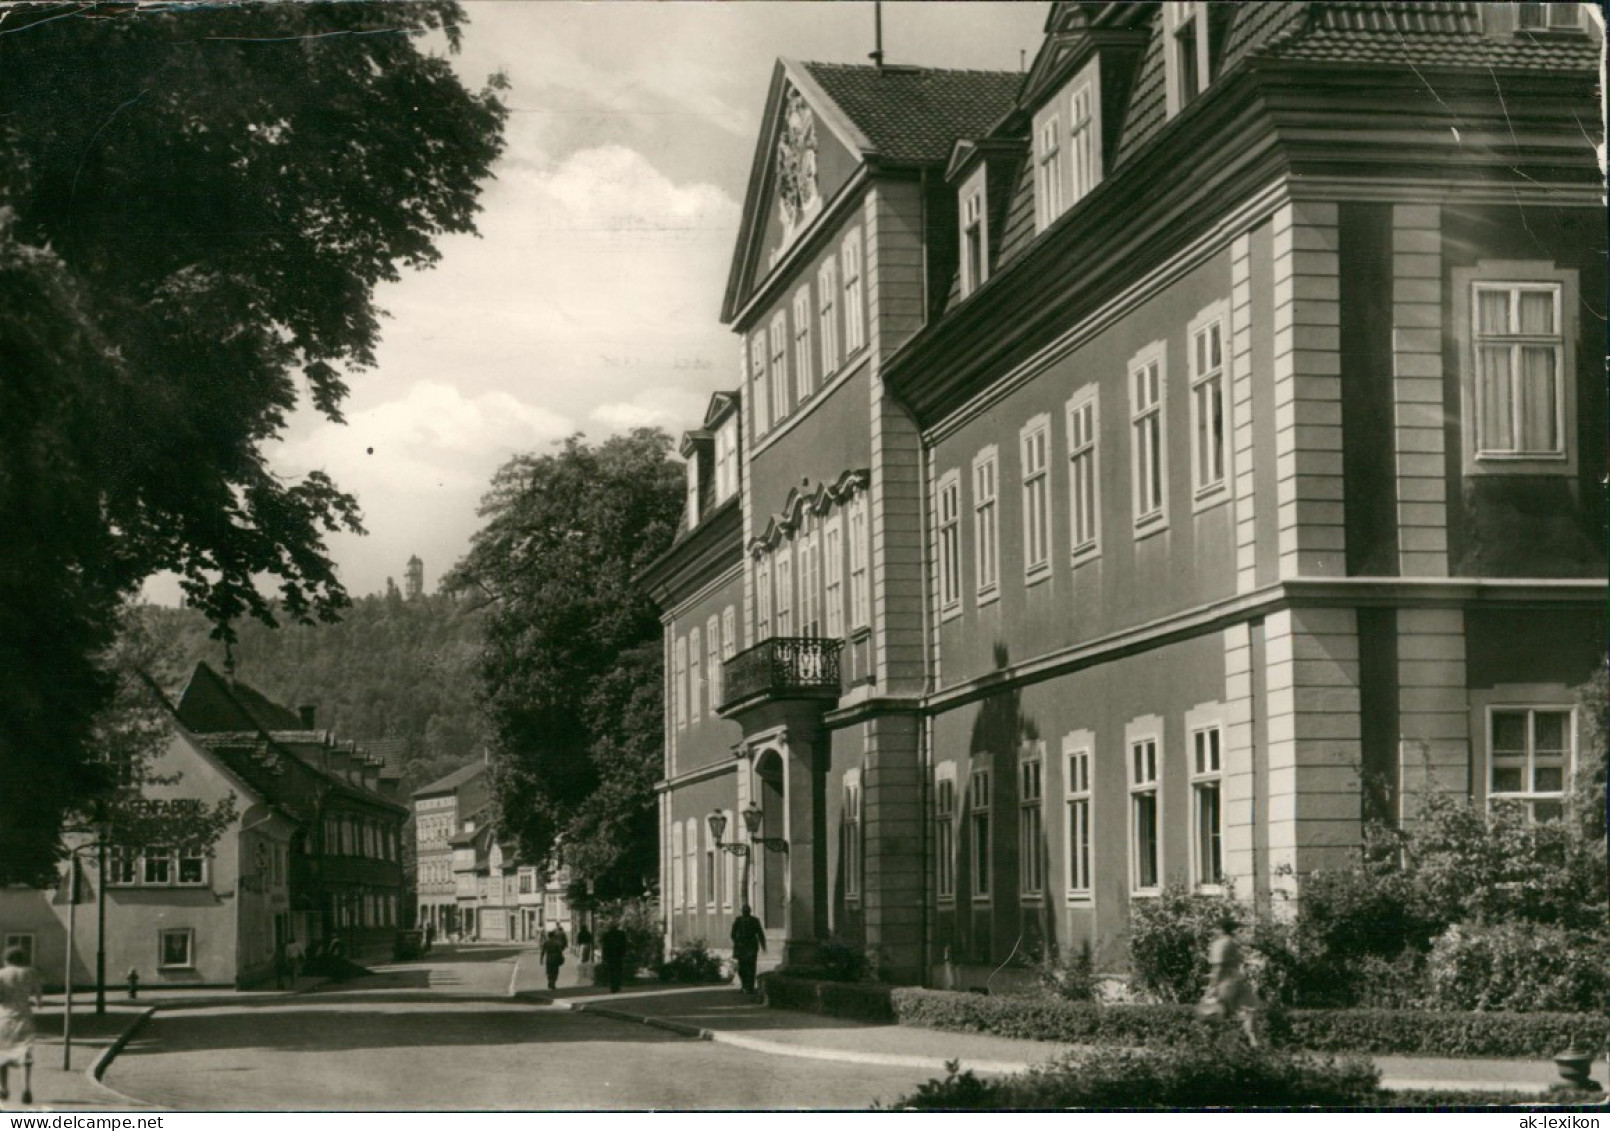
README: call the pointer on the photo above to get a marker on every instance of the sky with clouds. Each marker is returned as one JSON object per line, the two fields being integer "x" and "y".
{"x": 589, "y": 301}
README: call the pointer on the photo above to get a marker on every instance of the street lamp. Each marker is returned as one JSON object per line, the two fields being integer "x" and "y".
{"x": 717, "y": 821}
{"x": 755, "y": 822}
{"x": 103, "y": 832}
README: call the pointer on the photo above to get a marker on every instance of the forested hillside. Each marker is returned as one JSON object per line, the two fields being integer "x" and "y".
{"x": 394, "y": 667}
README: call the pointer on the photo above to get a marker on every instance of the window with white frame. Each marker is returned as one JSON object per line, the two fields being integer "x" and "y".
{"x": 692, "y": 469}
{"x": 713, "y": 643}
{"x": 1048, "y": 171}
{"x": 945, "y": 831}
{"x": 827, "y": 296}
{"x": 850, "y": 825}
{"x": 1519, "y": 351}
{"x": 763, "y": 599}
{"x": 678, "y": 877}
{"x": 729, "y": 862}
{"x": 692, "y": 861}
{"x": 810, "y": 576}
{"x": 1035, "y": 441}
{"x": 783, "y": 583}
{"x": 1031, "y": 821}
{"x": 1207, "y": 807}
{"x": 729, "y": 632}
{"x": 1145, "y": 848}
{"x": 23, "y": 941}
{"x": 679, "y": 667}
{"x": 1530, "y": 754}
{"x": 986, "y": 522}
{"x": 1084, "y": 484}
{"x": 978, "y": 821}
{"x": 833, "y": 576}
{"x": 1191, "y": 52}
{"x": 975, "y": 234}
{"x": 759, "y": 384}
{"x": 695, "y": 675}
{"x": 1148, "y": 437}
{"x": 950, "y": 542}
{"x": 804, "y": 363}
{"x": 777, "y": 366}
{"x": 1076, "y": 787}
{"x": 176, "y": 948}
{"x": 727, "y": 459}
{"x": 712, "y": 877}
{"x": 1084, "y": 139}
{"x": 157, "y": 867}
{"x": 854, "y": 326}
{"x": 1205, "y": 363}
{"x": 860, "y": 589}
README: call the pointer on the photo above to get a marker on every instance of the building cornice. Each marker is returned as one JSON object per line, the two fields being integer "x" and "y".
{"x": 1351, "y": 592}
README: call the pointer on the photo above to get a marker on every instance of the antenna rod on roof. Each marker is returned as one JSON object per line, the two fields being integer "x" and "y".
{"x": 877, "y": 34}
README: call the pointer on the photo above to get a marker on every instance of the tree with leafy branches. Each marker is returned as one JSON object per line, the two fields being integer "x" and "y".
{"x": 572, "y": 672}
{"x": 196, "y": 204}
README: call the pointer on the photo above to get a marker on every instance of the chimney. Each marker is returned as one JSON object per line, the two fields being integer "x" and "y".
{"x": 309, "y": 712}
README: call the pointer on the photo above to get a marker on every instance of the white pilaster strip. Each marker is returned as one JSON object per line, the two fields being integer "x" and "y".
{"x": 1417, "y": 391}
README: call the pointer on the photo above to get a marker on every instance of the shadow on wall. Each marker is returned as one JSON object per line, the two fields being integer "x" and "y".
{"x": 1000, "y": 931}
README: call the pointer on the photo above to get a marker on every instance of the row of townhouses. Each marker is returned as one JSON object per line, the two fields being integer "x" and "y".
{"x": 1142, "y": 470}
{"x": 470, "y": 882}
{"x": 313, "y": 854}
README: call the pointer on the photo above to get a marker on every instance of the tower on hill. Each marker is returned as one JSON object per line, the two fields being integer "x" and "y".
{"x": 414, "y": 582}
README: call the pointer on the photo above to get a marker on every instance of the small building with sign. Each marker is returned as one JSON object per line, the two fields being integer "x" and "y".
{"x": 173, "y": 916}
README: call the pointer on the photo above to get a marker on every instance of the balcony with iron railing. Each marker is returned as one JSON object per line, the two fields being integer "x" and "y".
{"x": 782, "y": 667}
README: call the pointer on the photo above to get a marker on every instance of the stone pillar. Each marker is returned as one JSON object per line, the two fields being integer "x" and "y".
{"x": 1417, "y": 391}
{"x": 1246, "y": 528}
{"x": 1314, "y": 741}
{"x": 1308, "y": 391}
{"x": 892, "y": 819}
{"x": 1240, "y": 812}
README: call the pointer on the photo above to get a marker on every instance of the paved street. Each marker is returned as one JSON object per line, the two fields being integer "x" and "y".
{"x": 444, "y": 1034}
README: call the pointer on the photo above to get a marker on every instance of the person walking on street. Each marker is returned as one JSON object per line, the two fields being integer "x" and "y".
{"x": 584, "y": 939}
{"x": 1229, "y": 995}
{"x": 748, "y": 940}
{"x": 612, "y": 949}
{"x": 293, "y": 959}
{"x": 21, "y": 991}
{"x": 553, "y": 954}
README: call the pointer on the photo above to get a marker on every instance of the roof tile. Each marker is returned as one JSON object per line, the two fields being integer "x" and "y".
{"x": 917, "y": 113}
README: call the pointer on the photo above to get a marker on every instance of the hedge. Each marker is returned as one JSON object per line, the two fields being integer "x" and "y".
{"x": 1380, "y": 1031}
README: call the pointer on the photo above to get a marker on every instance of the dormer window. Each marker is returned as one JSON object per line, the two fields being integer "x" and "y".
{"x": 727, "y": 459}
{"x": 1548, "y": 17}
{"x": 1048, "y": 171}
{"x": 1191, "y": 51}
{"x": 1067, "y": 146}
{"x": 693, "y": 490}
{"x": 975, "y": 235}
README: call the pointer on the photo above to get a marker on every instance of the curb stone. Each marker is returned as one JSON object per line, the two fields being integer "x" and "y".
{"x": 97, "y": 1070}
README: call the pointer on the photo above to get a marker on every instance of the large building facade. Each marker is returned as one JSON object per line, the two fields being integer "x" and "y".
{"x": 1144, "y": 470}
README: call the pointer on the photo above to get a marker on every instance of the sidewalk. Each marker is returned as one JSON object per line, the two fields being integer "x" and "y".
{"x": 726, "y": 1015}
{"x": 97, "y": 1039}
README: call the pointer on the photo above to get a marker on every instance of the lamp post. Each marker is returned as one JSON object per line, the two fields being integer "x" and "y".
{"x": 103, "y": 831}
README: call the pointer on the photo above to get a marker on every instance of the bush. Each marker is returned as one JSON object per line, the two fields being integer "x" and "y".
{"x": 1070, "y": 978}
{"x": 1380, "y": 1031}
{"x": 857, "y": 1001}
{"x": 645, "y": 931}
{"x": 693, "y": 963}
{"x": 1168, "y": 941}
{"x": 1228, "y": 1073}
{"x": 1520, "y": 967}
